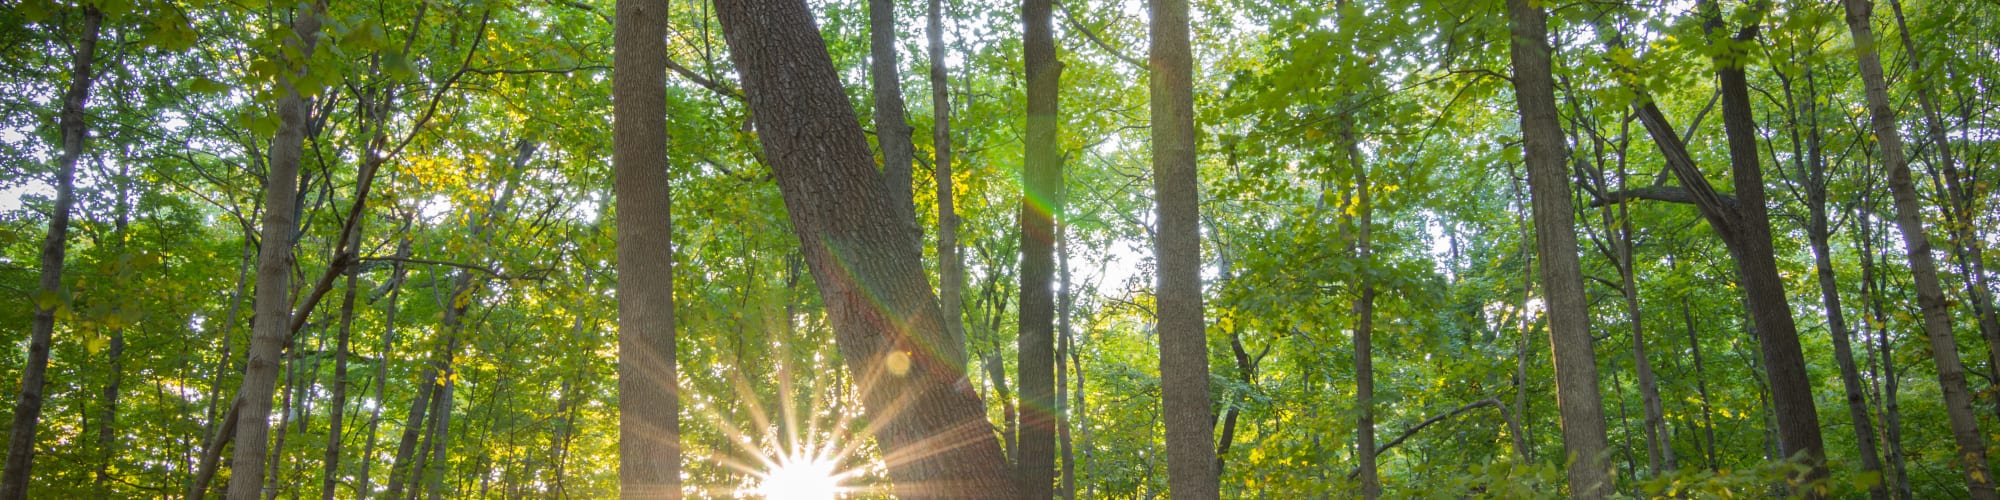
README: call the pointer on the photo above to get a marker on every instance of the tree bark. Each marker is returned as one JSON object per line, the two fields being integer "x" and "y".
{"x": 48, "y": 297}
{"x": 1871, "y": 292}
{"x": 931, "y": 427}
{"x": 271, "y": 328}
{"x": 648, "y": 385}
{"x": 1577, "y": 396}
{"x": 1931, "y": 300}
{"x": 1041, "y": 200}
{"x": 1364, "y": 323}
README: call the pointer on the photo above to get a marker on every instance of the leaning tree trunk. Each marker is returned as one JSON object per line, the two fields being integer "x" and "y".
{"x": 649, "y": 449}
{"x": 272, "y": 327}
{"x": 1041, "y": 200}
{"x": 1577, "y": 397}
{"x": 892, "y": 131}
{"x": 867, "y": 265}
{"x": 34, "y": 375}
{"x": 1971, "y": 456}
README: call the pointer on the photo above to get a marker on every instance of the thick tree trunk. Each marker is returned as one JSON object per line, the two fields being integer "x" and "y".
{"x": 649, "y": 448}
{"x": 930, "y": 426}
{"x": 951, "y": 267}
{"x": 271, "y": 329}
{"x": 1183, "y": 335}
{"x": 1971, "y": 456}
{"x": 1577, "y": 396}
{"x": 34, "y": 375}
{"x": 1041, "y": 200}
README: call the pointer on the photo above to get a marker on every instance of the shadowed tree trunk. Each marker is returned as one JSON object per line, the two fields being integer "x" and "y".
{"x": 930, "y": 426}
{"x": 1971, "y": 456}
{"x": 1041, "y": 200}
{"x": 47, "y": 298}
{"x": 892, "y": 131}
{"x": 1577, "y": 396}
{"x": 1183, "y": 335}
{"x": 649, "y": 449}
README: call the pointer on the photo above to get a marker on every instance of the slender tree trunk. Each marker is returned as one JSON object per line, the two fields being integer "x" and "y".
{"x": 892, "y": 131}
{"x": 868, "y": 267}
{"x": 1971, "y": 456}
{"x": 1065, "y": 352}
{"x": 107, "y": 435}
{"x": 1817, "y": 232}
{"x": 361, "y": 480}
{"x": 1364, "y": 323}
{"x": 1659, "y": 443}
{"x": 951, "y": 267}
{"x": 1577, "y": 397}
{"x": 1960, "y": 213}
{"x": 271, "y": 329}
{"x": 648, "y": 383}
{"x": 1041, "y": 201}
{"x": 330, "y": 474}
{"x": 1871, "y": 291}
{"x": 1701, "y": 383}
{"x": 1523, "y": 450}
{"x": 413, "y": 428}
{"x": 48, "y": 297}
{"x": 1183, "y": 335}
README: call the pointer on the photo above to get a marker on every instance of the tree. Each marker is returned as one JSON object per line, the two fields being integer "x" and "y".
{"x": 271, "y": 329}
{"x": 1923, "y": 269}
{"x": 1041, "y": 202}
{"x": 1183, "y": 334}
{"x": 929, "y": 424}
{"x": 649, "y": 430}
{"x": 49, "y": 294}
{"x": 1562, "y": 275}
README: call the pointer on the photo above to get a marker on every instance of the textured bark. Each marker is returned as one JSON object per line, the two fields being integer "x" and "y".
{"x": 1577, "y": 396}
{"x": 892, "y": 131}
{"x": 34, "y": 374}
{"x": 1183, "y": 335}
{"x": 930, "y": 426}
{"x": 649, "y": 449}
{"x": 951, "y": 267}
{"x": 1971, "y": 456}
{"x": 1041, "y": 200}
{"x": 272, "y": 328}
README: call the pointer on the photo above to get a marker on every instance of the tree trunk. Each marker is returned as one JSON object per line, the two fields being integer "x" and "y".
{"x": 951, "y": 267}
{"x": 1065, "y": 351}
{"x": 1183, "y": 335}
{"x": 271, "y": 329}
{"x": 1960, "y": 213}
{"x": 1523, "y": 450}
{"x": 34, "y": 375}
{"x": 107, "y": 434}
{"x": 1577, "y": 397}
{"x": 330, "y": 474}
{"x": 1871, "y": 292}
{"x": 362, "y": 484}
{"x": 649, "y": 449}
{"x": 1041, "y": 200}
{"x": 868, "y": 266}
{"x": 1364, "y": 323}
{"x": 892, "y": 131}
{"x": 1931, "y": 300}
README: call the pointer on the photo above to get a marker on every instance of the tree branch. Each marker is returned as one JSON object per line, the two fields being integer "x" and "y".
{"x": 1670, "y": 194}
{"x": 1493, "y": 402}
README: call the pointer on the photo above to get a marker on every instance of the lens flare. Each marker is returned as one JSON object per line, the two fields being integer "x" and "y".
{"x": 800, "y": 478}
